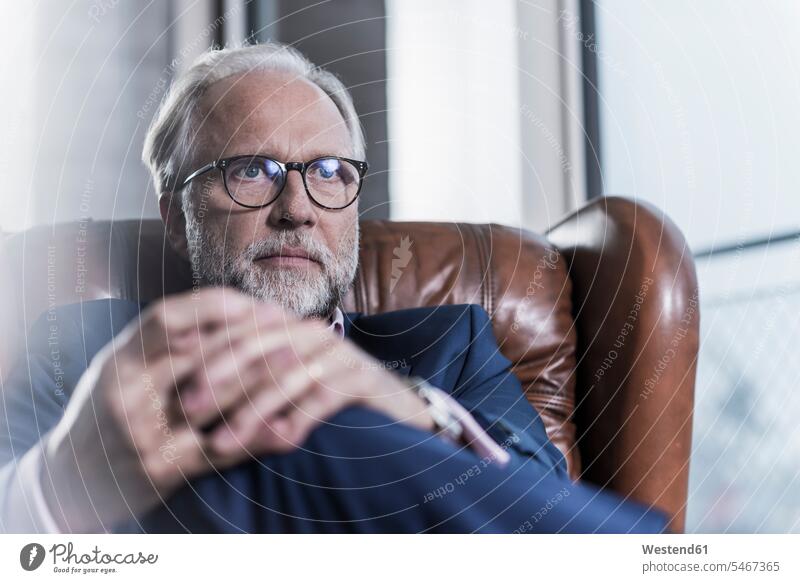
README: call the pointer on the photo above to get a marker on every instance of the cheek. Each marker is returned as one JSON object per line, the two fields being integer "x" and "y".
{"x": 340, "y": 233}
{"x": 233, "y": 229}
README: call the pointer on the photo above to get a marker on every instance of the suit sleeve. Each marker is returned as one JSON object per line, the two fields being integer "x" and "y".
{"x": 32, "y": 401}
{"x": 493, "y": 395}
{"x": 59, "y": 346}
{"x": 34, "y": 394}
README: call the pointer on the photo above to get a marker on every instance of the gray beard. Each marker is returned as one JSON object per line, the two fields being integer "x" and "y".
{"x": 308, "y": 293}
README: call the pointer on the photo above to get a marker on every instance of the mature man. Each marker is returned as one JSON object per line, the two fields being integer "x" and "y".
{"x": 254, "y": 404}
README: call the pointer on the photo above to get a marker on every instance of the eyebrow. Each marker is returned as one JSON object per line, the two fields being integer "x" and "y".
{"x": 272, "y": 152}
{"x": 269, "y": 153}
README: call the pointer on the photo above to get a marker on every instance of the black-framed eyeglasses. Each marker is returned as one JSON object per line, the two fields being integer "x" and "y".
{"x": 252, "y": 181}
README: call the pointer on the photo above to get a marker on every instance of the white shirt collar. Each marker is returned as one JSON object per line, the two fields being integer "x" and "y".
{"x": 337, "y": 323}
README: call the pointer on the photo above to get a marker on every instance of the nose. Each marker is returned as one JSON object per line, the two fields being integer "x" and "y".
{"x": 293, "y": 209}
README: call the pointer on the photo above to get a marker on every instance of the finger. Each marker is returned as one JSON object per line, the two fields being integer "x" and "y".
{"x": 191, "y": 311}
{"x": 206, "y": 410}
{"x": 185, "y": 341}
{"x": 263, "y": 391}
{"x": 258, "y": 362}
{"x": 142, "y": 387}
{"x": 248, "y": 419}
{"x": 287, "y": 432}
{"x": 254, "y": 434}
{"x": 172, "y": 456}
{"x": 139, "y": 408}
{"x": 263, "y": 316}
{"x": 224, "y": 339}
{"x": 267, "y": 337}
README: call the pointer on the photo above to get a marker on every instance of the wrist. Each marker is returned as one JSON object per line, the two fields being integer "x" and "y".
{"x": 69, "y": 508}
{"x": 421, "y": 418}
{"x": 90, "y": 479}
{"x": 443, "y": 420}
{"x": 399, "y": 402}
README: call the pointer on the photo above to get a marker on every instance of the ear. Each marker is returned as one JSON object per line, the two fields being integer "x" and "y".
{"x": 174, "y": 222}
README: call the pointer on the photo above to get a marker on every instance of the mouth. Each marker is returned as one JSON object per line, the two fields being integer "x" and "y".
{"x": 287, "y": 257}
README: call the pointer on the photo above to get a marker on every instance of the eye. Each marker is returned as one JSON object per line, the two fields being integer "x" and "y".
{"x": 254, "y": 170}
{"x": 326, "y": 169}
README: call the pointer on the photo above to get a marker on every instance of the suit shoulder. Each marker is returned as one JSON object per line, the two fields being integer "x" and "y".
{"x": 90, "y": 324}
{"x": 93, "y": 312}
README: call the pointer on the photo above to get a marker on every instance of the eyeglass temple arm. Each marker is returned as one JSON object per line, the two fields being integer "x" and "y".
{"x": 200, "y": 171}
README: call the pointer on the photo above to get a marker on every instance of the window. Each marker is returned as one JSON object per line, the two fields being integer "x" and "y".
{"x": 698, "y": 115}
{"x": 482, "y": 101}
{"x": 16, "y": 139}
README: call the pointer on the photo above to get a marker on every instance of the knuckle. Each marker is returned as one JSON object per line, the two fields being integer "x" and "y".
{"x": 301, "y": 431}
{"x": 159, "y": 306}
{"x": 156, "y": 467}
{"x": 327, "y": 397}
{"x": 291, "y": 358}
{"x": 115, "y": 404}
{"x": 154, "y": 316}
{"x": 283, "y": 445}
{"x": 312, "y": 328}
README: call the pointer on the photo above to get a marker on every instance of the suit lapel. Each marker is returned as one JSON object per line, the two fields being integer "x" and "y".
{"x": 402, "y": 370}
{"x": 401, "y": 366}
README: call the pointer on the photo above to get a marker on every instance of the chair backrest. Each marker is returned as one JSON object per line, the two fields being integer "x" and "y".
{"x": 635, "y": 303}
{"x": 559, "y": 310}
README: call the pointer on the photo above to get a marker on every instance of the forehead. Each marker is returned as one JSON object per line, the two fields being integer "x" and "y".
{"x": 270, "y": 113}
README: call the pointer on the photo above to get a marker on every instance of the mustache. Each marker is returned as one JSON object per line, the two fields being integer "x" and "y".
{"x": 302, "y": 240}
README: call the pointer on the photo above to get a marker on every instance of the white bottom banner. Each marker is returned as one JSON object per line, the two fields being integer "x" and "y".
{"x": 401, "y": 558}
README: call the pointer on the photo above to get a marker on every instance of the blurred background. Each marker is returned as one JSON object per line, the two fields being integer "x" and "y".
{"x": 514, "y": 112}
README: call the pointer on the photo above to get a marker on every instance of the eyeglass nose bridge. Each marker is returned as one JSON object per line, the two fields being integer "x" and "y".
{"x": 299, "y": 166}
{"x": 287, "y": 167}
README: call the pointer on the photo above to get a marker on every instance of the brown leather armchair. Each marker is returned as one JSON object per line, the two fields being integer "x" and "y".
{"x": 600, "y": 318}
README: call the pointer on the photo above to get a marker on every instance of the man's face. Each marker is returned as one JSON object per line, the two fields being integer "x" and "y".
{"x": 291, "y": 252}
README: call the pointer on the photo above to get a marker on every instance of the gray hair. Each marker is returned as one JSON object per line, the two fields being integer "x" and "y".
{"x": 168, "y": 141}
